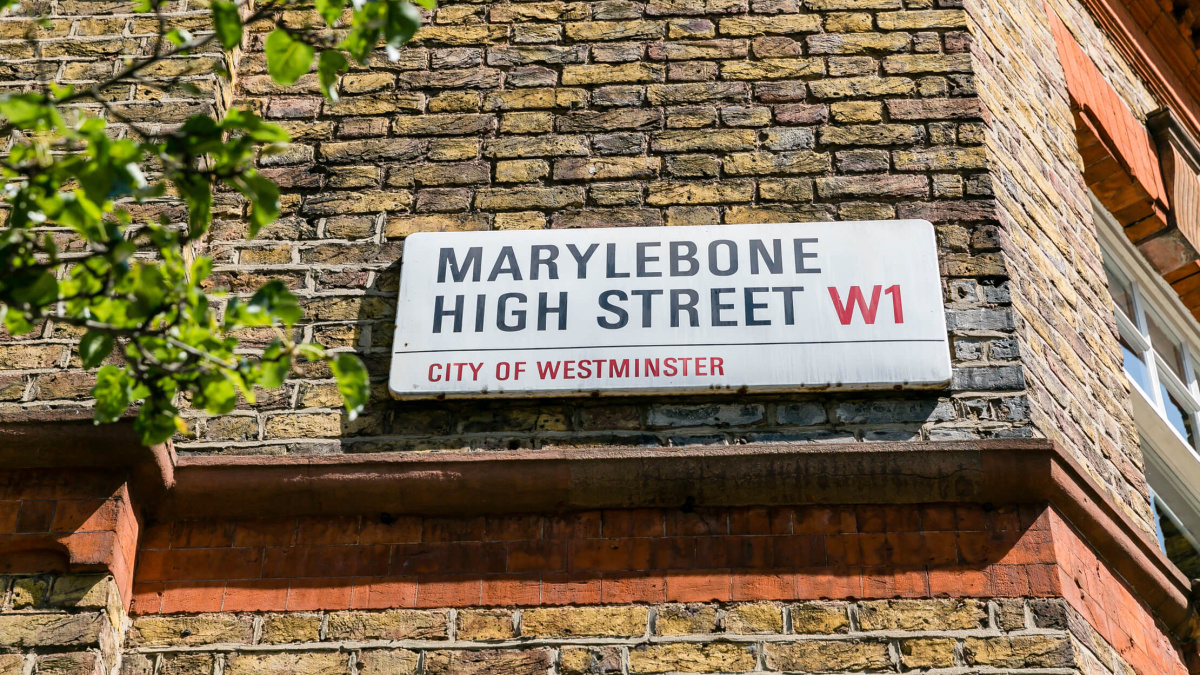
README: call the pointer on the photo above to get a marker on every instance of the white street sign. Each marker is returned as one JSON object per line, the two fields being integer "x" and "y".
{"x": 776, "y": 307}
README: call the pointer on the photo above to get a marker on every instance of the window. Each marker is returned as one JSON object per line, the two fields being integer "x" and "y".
{"x": 1160, "y": 345}
{"x": 1155, "y": 360}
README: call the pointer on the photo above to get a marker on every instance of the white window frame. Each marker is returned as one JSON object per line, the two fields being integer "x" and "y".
{"x": 1172, "y": 465}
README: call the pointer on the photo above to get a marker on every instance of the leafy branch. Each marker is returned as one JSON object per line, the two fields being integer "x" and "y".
{"x": 148, "y": 324}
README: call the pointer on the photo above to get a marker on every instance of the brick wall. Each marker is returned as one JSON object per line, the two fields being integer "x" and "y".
{"x": 1064, "y": 322}
{"x": 71, "y": 624}
{"x": 883, "y": 636}
{"x": 592, "y": 113}
{"x": 866, "y": 588}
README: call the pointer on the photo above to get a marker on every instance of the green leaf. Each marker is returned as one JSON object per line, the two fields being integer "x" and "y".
{"x": 275, "y": 365}
{"x": 238, "y": 119}
{"x": 228, "y": 23}
{"x": 330, "y": 10}
{"x": 331, "y": 64}
{"x": 427, "y": 4}
{"x": 217, "y": 394}
{"x": 94, "y": 348}
{"x": 113, "y": 393}
{"x": 157, "y": 423}
{"x": 353, "y": 382}
{"x": 37, "y": 291}
{"x": 264, "y": 200}
{"x": 24, "y": 110}
{"x": 287, "y": 59}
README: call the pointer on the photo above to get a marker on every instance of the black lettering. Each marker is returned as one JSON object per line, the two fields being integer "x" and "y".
{"x": 439, "y": 311}
{"x": 774, "y": 262}
{"x": 642, "y": 259}
{"x": 646, "y": 300}
{"x": 447, "y": 259}
{"x": 506, "y": 263}
{"x": 678, "y": 257}
{"x": 789, "y": 311}
{"x": 582, "y": 259}
{"x": 801, "y": 255}
{"x": 689, "y": 307}
{"x": 717, "y": 307}
{"x": 544, "y": 309}
{"x": 751, "y": 305}
{"x": 519, "y": 314}
{"x": 606, "y": 304}
{"x": 543, "y": 254}
{"x": 480, "y": 308}
{"x": 712, "y": 258}
{"x": 612, "y": 273}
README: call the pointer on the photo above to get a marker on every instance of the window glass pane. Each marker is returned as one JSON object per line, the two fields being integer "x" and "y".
{"x": 1165, "y": 345}
{"x": 1121, "y": 290}
{"x": 1135, "y": 367}
{"x": 1178, "y": 416}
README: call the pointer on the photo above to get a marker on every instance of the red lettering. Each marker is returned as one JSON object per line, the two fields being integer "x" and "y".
{"x": 567, "y": 368}
{"x": 700, "y": 364}
{"x": 621, "y": 371}
{"x": 718, "y": 366}
{"x": 475, "y": 370}
{"x": 432, "y": 367}
{"x": 669, "y": 368}
{"x": 585, "y": 369}
{"x": 685, "y": 364}
{"x": 651, "y": 367}
{"x": 518, "y": 368}
{"x": 548, "y": 368}
{"x": 846, "y": 312}
{"x": 897, "y": 308}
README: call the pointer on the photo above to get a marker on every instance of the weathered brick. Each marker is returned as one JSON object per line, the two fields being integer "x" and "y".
{"x": 584, "y": 621}
{"x": 443, "y": 125}
{"x": 372, "y": 150}
{"x": 520, "y": 56}
{"x": 663, "y": 193}
{"x": 685, "y": 619}
{"x": 292, "y": 627}
{"x": 614, "y": 30}
{"x": 693, "y": 141}
{"x": 535, "y": 661}
{"x": 922, "y": 614}
{"x": 523, "y": 198}
{"x": 522, "y": 170}
{"x": 766, "y": 163}
{"x": 390, "y": 625}
{"x": 856, "y": 87}
{"x": 928, "y": 653}
{"x": 699, "y": 49}
{"x": 691, "y": 658}
{"x": 675, "y": 94}
{"x": 402, "y": 226}
{"x": 941, "y": 159}
{"x": 387, "y": 662}
{"x": 272, "y": 663}
{"x": 538, "y": 146}
{"x": 527, "y": 122}
{"x": 1033, "y": 651}
{"x": 927, "y": 63}
{"x": 607, "y": 169}
{"x": 873, "y": 186}
{"x": 782, "y": 24}
{"x": 824, "y": 655}
{"x": 523, "y": 99}
{"x": 369, "y": 201}
{"x": 872, "y": 134}
{"x": 772, "y": 69}
{"x": 922, "y": 20}
{"x": 754, "y": 618}
{"x": 608, "y": 74}
{"x": 857, "y": 43}
{"x": 485, "y": 624}
{"x": 201, "y": 629}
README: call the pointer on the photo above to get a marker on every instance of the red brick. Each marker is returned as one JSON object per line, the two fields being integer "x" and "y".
{"x": 634, "y": 587}
{"x": 8, "y": 516}
{"x": 35, "y": 516}
{"x": 147, "y": 598}
{"x": 829, "y": 584}
{"x": 598, "y": 555}
{"x": 325, "y": 531}
{"x": 937, "y": 518}
{"x": 633, "y": 523}
{"x": 449, "y": 591}
{"x": 668, "y": 553}
{"x": 699, "y": 586}
{"x": 582, "y": 525}
{"x": 193, "y": 596}
{"x": 265, "y": 533}
{"x": 202, "y": 534}
{"x": 325, "y": 561}
{"x": 512, "y": 590}
{"x": 397, "y": 530}
{"x": 697, "y": 523}
{"x": 870, "y": 518}
{"x": 800, "y": 551}
{"x": 384, "y": 593}
{"x": 314, "y": 594}
{"x": 763, "y": 585}
{"x": 570, "y": 589}
{"x": 895, "y": 582}
{"x": 537, "y": 556}
{"x": 453, "y": 529}
{"x": 155, "y": 536}
{"x": 753, "y": 521}
{"x": 902, "y": 518}
{"x": 200, "y": 564}
{"x": 265, "y": 595}
{"x": 514, "y": 528}
{"x": 957, "y": 582}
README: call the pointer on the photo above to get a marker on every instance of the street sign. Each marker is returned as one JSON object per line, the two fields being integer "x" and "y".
{"x": 773, "y": 307}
